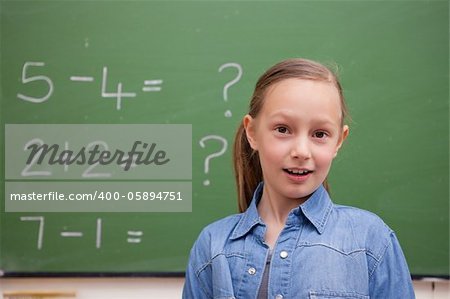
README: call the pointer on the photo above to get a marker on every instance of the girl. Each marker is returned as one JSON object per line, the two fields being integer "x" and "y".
{"x": 290, "y": 240}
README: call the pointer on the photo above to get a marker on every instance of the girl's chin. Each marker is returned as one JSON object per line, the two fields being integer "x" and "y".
{"x": 300, "y": 195}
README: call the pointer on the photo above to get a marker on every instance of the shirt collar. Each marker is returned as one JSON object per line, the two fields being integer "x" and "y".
{"x": 316, "y": 209}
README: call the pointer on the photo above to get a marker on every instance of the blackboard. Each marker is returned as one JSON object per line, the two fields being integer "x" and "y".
{"x": 174, "y": 61}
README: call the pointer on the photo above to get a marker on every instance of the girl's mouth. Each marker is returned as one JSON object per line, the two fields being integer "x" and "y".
{"x": 297, "y": 172}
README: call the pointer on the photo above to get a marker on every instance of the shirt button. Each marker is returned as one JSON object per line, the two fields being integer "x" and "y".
{"x": 251, "y": 271}
{"x": 279, "y": 296}
{"x": 283, "y": 255}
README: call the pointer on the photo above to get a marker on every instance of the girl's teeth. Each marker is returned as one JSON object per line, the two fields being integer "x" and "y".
{"x": 299, "y": 171}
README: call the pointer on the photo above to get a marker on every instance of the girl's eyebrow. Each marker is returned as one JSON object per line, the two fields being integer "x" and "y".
{"x": 282, "y": 113}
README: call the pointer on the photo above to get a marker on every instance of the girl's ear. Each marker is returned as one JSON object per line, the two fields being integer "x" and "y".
{"x": 345, "y": 131}
{"x": 249, "y": 127}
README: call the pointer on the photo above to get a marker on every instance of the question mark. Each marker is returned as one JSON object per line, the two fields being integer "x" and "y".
{"x": 231, "y": 83}
{"x": 213, "y": 155}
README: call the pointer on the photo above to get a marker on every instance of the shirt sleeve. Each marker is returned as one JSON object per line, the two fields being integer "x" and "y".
{"x": 391, "y": 277}
{"x": 193, "y": 287}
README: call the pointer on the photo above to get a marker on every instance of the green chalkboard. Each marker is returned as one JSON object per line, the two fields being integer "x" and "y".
{"x": 64, "y": 62}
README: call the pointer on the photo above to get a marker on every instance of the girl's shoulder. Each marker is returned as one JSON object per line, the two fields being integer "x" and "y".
{"x": 218, "y": 232}
{"x": 360, "y": 218}
{"x": 224, "y": 226}
{"x": 367, "y": 228}
{"x": 212, "y": 240}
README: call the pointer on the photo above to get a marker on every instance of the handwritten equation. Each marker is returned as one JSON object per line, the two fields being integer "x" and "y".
{"x": 133, "y": 236}
{"x": 149, "y": 85}
{"x": 120, "y": 94}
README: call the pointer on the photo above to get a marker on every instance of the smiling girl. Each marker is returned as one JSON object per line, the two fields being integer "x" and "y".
{"x": 290, "y": 240}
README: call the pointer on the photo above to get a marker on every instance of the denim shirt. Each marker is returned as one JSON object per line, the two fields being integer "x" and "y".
{"x": 324, "y": 251}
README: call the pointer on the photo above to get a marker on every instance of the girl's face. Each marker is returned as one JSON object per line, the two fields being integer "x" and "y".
{"x": 297, "y": 134}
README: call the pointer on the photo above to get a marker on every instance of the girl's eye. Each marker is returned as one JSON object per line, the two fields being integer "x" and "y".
{"x": 320, "y": 134}
{"x": 282, "y": 130}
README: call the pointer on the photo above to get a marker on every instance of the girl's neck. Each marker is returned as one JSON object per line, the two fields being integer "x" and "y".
{"x": 274, "y": 209}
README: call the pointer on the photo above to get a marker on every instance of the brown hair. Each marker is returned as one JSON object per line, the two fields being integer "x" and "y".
{"x": 247, "y": 168}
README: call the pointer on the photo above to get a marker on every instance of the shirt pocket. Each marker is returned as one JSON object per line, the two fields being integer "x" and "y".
{"x": 333, "y": 294}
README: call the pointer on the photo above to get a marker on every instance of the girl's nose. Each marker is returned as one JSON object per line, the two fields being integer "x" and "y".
{"x": 301, "y": 149}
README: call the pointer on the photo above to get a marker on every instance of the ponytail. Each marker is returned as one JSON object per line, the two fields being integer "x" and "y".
{"x": 247, "y": 169}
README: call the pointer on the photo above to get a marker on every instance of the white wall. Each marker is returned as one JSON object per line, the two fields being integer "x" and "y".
{"x": 140, "y": 288}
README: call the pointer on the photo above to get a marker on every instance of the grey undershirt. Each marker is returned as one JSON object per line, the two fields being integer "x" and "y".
{"x": 263, "y": 288}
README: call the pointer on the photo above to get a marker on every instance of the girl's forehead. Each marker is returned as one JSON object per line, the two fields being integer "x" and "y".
{"x": 302, "y": 93}
{"x": 302, "y": 101}
{"x": 302, "y": 86}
